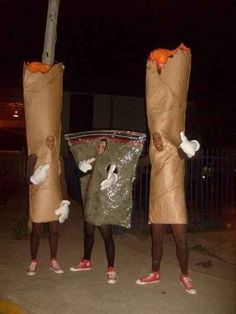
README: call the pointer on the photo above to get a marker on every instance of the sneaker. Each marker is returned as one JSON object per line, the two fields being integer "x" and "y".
{"x": 84, "y": 264}
{"x": 152, "y": 277}
{"x": 111, "y": 275}
{"x": 186, "y": 282}
{"x": 31, "y": 271}
{"x": 54, "y": 266}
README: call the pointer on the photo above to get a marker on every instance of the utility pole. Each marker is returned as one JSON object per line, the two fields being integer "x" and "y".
{"x": 51, "y": 32}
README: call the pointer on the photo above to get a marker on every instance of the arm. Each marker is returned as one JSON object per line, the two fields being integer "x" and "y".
{"x": 37, "y": 176}
{"x": 63, "y": 210}
{"x": 188, "y": 147}
{"x": 85, "y": 165}
{"x": 111, "y": 178}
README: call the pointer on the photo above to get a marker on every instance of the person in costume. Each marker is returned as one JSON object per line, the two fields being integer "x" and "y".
{"x": 166, "y": 92}
{"x": 47, "y": 189}
{"x": 40, "y": 179}
{"x": 107, "y": 159}
{"x": 97, "y": 166}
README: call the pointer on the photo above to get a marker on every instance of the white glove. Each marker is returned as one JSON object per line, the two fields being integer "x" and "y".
{"x": 63, "y": 211}
{"x": 110, "y": 180}
{"x": 40, "y": 174}
{"x": 85, "y": 165}
{"x": 189, "y": 147}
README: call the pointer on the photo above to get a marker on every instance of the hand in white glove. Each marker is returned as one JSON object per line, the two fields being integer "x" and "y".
{"x": 189, "y": 147}
{"x": 85, "y": 165}
{"x": 40, "y": 174}
{"x": 110, "y": 180}
{"x": 63, "y": 211}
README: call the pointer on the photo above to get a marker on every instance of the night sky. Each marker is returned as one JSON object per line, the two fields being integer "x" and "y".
{"x": 104, "y": 45}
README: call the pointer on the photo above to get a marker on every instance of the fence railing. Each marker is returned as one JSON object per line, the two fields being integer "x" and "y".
{"x": 210, "y": 182}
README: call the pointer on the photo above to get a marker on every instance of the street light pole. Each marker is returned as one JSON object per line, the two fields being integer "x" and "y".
{"x": 51, "y": 32}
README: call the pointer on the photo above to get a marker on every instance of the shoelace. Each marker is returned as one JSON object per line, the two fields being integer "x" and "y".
{"x": 32, "y": 266}
{"x": 112, "y": 274}
{"x": 148, "y": 276}
{"x": 188, "y": 282}
{"x": 84, "y": 264}
{"x": 55, "y": 265}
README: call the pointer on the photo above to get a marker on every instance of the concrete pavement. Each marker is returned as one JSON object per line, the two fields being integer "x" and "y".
{"x": 88, "y": 292}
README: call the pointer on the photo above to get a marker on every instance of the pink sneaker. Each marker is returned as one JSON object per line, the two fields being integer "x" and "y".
{"x": 54, "y": 266}
{"x": 111, "y": 275}
{"x": 31, "y": 271}
{"x": 84, "y": 264}
{"x": 152, "y": 277}
{"x": 186, "y": 282}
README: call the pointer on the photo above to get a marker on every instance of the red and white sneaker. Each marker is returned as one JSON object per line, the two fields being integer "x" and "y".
{"x": 152, "y": 277}
{"x": 54, "y": 266}
{"x": 84, "y": 264}
{"x": 111, "y": 275}
{"x": 31, "y": 271}
{"x": 186, "y": 282}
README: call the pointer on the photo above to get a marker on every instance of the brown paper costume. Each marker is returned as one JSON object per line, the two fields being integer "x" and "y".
{"x": 112, "y": 205}
{"x": 166, "y": 93}
{"x": 43, "y": 101}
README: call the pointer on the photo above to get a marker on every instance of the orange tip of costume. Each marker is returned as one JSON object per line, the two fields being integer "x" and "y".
{"x": 160, "y": 56}
{"x": 38, "y": 67}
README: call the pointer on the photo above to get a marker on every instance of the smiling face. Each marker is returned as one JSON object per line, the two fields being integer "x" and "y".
{"x": 50, "y": 142}
{"x": 101, "y": 147}
{"x": 157, "y": 141}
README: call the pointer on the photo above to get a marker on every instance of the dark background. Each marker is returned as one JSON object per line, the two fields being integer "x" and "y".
{"x": 104, "y": 45}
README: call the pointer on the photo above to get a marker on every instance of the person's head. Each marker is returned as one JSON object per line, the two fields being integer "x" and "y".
{"x": 157, "y": 141}
{"x": 50, "y": 141}
{"x": 101, "y": 146}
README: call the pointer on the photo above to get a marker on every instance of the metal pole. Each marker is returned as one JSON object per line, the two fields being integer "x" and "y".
{"x": 51, "y": 32}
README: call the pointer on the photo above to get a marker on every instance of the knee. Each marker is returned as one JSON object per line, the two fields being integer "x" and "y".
{"x": 35, "y": 232}
{"x": 88, "y": 234}
{"x": 182, "y": 245}
{"x": 53, "y": 233}
{"x": 109, "y": 240}
{"x": 157, "y": 242}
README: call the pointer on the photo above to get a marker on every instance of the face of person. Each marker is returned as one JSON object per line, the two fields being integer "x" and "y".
{"x": 157, "y": 141}
{"x": 50, "y": 142}
{"x": 101, "y": 147}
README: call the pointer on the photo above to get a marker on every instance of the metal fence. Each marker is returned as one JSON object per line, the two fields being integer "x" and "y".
{"x": 210, "y": 181}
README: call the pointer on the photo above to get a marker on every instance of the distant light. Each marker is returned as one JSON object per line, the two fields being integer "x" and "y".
{"x": 203, "y": 177}
{"x": 16, "y": 110}
{"x": 16, "y": 114}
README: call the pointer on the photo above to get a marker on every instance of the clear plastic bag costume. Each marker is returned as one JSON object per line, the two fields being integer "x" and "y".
{"x": 111, "y": 205}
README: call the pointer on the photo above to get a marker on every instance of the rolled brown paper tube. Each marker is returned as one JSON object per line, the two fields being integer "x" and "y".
{"x": 166, "y": 98}
{"x": 43, "y": 104}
